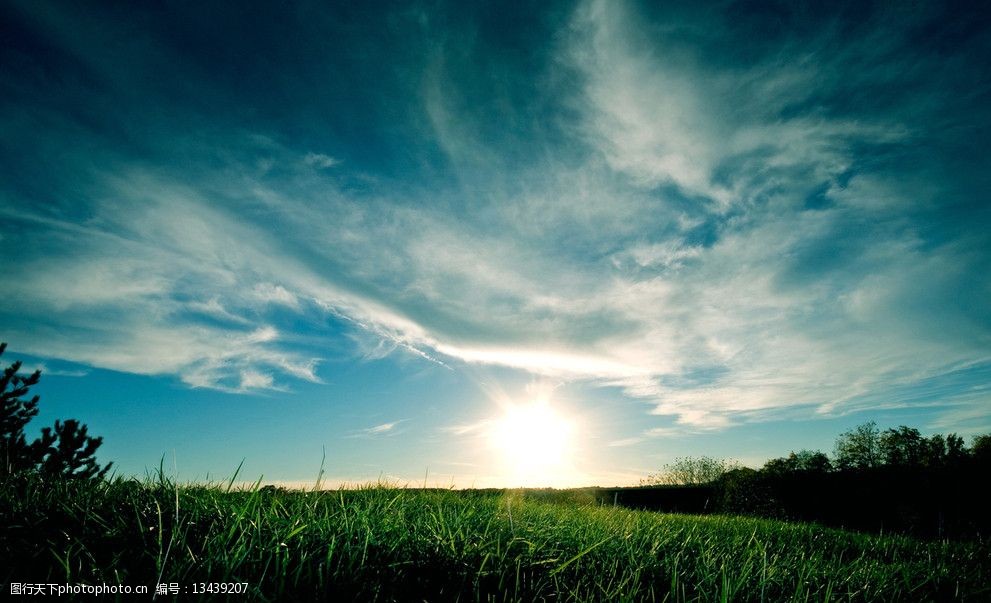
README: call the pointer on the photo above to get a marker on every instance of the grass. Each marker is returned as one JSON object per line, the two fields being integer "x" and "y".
{"x": 382, "y": 543}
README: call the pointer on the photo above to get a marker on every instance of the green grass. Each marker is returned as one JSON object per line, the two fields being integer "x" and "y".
{"x": 385, "y": 544}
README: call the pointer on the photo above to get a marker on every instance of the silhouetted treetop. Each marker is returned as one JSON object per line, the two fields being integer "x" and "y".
{"x": 15, "y": 412}
{"x": 65, "y": 451}
{"x": 803, "y": 461}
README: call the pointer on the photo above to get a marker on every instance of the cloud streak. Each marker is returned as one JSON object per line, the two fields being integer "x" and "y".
{"x": 380, "y": 430}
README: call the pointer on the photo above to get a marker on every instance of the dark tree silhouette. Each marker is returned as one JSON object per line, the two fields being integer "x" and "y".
{"x": 803, "y": 461}
{"x": 903, "y": 447}
{"x": 15, "y": 412}
{"x": 67, "y": 451}
{"x": 956, "y": 451}
{"x": 981, "y": 448}
{"x": 934, "y": 451}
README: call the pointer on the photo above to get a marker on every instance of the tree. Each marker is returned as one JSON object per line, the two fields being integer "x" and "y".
{"x": 934, "y": 451}
{"x": 981, "y": 448}
{"x": 811, "y": 461}
{"x": 956, "y": 452}
{"x": 70, "y": 452}
{"x": 67, "y": 451}
{"x": 803, "y": 461}
{"x": 859, "y": 448}
{"x": 15, "y": 412}
{"x": 903, "y": 447}
{"x": 692, "y": 471}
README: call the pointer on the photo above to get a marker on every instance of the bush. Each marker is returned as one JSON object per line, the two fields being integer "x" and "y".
{"x": 691, "y": 471}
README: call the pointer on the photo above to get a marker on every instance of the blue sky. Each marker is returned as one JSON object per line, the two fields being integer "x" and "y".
{"x": 264, "y": 232}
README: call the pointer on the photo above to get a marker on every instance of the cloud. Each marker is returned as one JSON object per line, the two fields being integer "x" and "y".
{"x": 624, "y": 442}
{"x": 477, "y": 428}
{"x": 254, "y": 380}
{"x": 53, "y": 372}
{"x": 383, "y": 429}
{"x": 319, "y": 160}
{"x": 213, "y": 308}
{"x": 659, "y": 113}
{"x": 277, "y": 294}
{"x": 724, "y": 233}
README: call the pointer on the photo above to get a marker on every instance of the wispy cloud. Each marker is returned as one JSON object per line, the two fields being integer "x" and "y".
{"x": 255, "y": 380}
{"x": 320, "y": 160}
{"x": 468, "y": 429}
{"x": 382, "y": 429}
{"x": 621, "y": 443}
{"x": 47, "y": 371}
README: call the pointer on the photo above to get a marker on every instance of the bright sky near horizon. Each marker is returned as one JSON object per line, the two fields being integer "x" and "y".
{"x": 466, "y": 243}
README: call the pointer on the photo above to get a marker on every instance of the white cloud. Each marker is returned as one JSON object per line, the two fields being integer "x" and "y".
{"x": 659, "y": 114}
{"x": 275, "y": 294}
{"x": 215, "y": 309}
{"x": 477, "y": 428}
{"x": 50, "y": 372}
{"x": 382, "y": 429}
{"x": 546, "y": 362}
{"x": 320, "y": 161}
{"x": 624, "y": 442}
{"x": 664, "y": 255}
{"x": 255, "y": 380}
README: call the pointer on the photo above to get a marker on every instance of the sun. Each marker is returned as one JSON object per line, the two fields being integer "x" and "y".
{"x": 534, "y": 443}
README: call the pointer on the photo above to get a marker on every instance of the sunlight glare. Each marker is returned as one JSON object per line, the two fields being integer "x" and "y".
{"x": 535, "y": 444}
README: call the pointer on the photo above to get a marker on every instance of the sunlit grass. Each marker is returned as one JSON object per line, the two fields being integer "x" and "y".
{"x": 382, "y": 543}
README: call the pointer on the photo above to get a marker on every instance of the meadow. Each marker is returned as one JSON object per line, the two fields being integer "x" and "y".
{"x": 384, "y": 543}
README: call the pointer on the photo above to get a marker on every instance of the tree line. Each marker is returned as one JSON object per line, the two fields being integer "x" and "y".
{"x": 875, "y": 480}
{"x": 864, "y": 447}
{"x": 867, "y": 447}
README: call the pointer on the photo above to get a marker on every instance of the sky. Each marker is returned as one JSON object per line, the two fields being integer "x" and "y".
{"x": 361, "y": 234}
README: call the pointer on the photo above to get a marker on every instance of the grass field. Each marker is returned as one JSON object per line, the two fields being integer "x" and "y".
{"x": 383, "y": 543}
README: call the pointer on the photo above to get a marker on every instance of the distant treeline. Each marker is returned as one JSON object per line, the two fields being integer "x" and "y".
{"x": 896, "y": 480}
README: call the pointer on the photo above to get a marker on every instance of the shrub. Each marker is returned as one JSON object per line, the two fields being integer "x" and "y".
{"x": 691, "y": 471}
